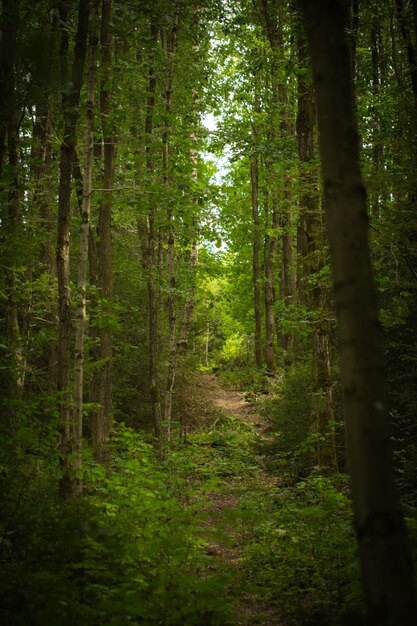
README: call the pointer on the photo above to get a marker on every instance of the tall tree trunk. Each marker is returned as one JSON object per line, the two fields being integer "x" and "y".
{"x": 102, "y": 383}
{"x": 310, "y": 249}
{"x": 81, "y": 312}
{"x": 256, "y": 229}
{"x": 8, "y": 49}
{"x": 192, "y": 252}
{"x": 192, "y": 262}
{"x": 43, "y": 198}
{"x": 269, "y": 252}
{"x": 9, "y": 160}
{"x": 256, "y": 275}
{"x": 383, "y": 548}
{"x": 151, "y": 253}
{"x": 288, "y": 274}
{"x": 70, "y": 105}
{"x": 169, "y": 46}
{"x": 272, "y": 17}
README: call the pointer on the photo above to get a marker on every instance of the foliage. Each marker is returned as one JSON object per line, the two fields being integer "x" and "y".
{"x": 233, "y": 350}
{"x": 224, "y": 451}
{"x": 130, "y": 551}
{"x": 303, "y": 553}
{"x": 288, "y": 409}
{"x": 135, "y": 549}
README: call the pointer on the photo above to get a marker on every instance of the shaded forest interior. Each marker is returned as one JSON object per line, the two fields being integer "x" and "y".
{"x": 208, "y": 298}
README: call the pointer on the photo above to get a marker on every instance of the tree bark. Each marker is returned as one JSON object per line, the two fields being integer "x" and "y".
{"x": 70, "y": 105}
{"x": 192, "y": 252}
{"x": 311, "y": 253}
{"x": 81, "y": 312}
{"x": 269, "y": 251}
{"x": 272, "y": 17}
{"x": 169, "y": 46}
{"x": 10, "y": 216}
{"x": 102, "y": 383}
{"x": 383, "y": 547}
{"x": 150, "y": 254}
{"x": 256, "y": 275}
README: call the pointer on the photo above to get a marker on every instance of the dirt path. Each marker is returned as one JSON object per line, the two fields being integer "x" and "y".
{"x": 232, "y": 402}
{"x": 229, "y": 536}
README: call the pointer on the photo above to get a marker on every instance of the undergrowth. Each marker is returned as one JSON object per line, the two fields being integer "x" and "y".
{"x": 301, "y": 554}
{"x": 129, "y": 552}
{"x": 138, "y": 548}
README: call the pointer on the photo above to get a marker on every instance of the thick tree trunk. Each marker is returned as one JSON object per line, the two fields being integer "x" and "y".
{"x": 383, "y": 547}
{"x": 70, "y": 104}
{"x": 102, "y": 392}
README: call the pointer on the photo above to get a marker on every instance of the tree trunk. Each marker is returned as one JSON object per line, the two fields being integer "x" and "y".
{"x": 70, "y": 104}
{"x": 81, "y": 312}
{"x": 383, "y": 548}
{"x": 10, "y": 217}
{"x": 169, "y": 46}
{"x": 288, "y": 274}
{"x": 311, "y": 253}
{"x": 102, "y": 384}
{"x": 151, "y": 257}
{"x": 270, "y": 246}
{"x": 256, "y": 275}
{"x": 192, "y": 252}
{"x": 43, "y": 202}
{"x": 272, "y": 17}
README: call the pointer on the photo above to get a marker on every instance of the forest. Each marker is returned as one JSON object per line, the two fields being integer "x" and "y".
{"x": 208, "y": 312}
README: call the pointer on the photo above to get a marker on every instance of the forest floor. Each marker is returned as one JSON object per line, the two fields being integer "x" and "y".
{"x": 238, "y": 431}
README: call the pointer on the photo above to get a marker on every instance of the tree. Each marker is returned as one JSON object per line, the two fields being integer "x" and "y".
{"x": 81, "y": 314}
{"x": 383, "y": 547}
{"x": 102, "y": 383}
{"x": 9, "y": 168}
{"x": 70, "y": 105}
{"x": 312, "y": 253}
{"x": 256, "y": 244}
